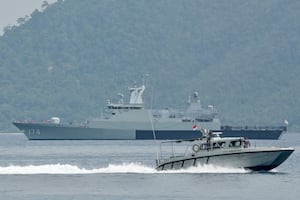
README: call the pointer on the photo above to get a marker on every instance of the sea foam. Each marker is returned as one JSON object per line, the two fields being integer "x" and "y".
{"x": 111, "y": 168}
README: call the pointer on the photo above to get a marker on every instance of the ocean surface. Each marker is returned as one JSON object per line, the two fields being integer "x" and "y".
{"x": 62, "y": 170}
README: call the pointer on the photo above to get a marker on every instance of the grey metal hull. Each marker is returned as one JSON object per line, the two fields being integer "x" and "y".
{"x": 256, "y": 159}
{"x": 265, "y": 134}
{"x": 40, "y": 131}
{"x": 58, "y": 132}
{"x": 254, "y": 132}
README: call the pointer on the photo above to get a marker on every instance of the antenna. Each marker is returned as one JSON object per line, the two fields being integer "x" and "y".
{"x": 145, "y": 76}
{"x": 154, "y": 135}
{"x": 151, "y": 121}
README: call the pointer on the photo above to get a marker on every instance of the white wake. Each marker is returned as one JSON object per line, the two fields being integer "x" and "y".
{"x": 111, "y": 168}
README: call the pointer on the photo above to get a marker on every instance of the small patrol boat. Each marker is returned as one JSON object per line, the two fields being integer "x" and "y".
{"x": 234, "y": 152}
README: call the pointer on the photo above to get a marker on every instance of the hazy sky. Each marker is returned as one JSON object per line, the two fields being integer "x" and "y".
{"x": 11, "y": 10}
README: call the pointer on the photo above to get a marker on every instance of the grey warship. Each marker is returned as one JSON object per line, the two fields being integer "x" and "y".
{"x": 132, "y": 121}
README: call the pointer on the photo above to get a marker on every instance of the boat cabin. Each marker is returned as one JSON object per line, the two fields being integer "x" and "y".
{"x": 225, "y": 143}
{"x": 202, "y": 146}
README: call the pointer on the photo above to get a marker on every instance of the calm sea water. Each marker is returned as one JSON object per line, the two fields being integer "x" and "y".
{"x": 62, "y": 170}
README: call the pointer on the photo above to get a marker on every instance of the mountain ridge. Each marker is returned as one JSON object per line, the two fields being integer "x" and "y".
{"x": 68, "y": 60}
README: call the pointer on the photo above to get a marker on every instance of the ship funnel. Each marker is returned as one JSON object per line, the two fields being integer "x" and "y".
{"x": 136, "y": 95}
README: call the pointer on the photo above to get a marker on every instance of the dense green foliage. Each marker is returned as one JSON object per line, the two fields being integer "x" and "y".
{"x": 242, "y": 56}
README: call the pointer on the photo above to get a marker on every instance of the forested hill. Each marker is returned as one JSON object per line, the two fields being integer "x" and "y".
{"x": 242, "y": 56}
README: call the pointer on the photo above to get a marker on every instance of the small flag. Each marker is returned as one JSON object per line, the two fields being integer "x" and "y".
{"x": 195, "y": 127}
